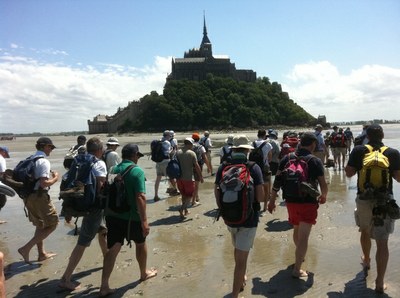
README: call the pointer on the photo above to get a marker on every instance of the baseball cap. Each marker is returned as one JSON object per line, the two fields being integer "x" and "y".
{"x": 5, "y": 149}
{"x": 196, "y": 136}
{"x": 45, "y": 141}
{"x": 308, "y": 138}
{"x": 112, "y": 141}
{"x": 129, "y": 149}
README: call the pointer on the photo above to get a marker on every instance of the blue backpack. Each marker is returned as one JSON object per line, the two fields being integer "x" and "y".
{"x": 78, "y": 189}
{"x": 174, "y": 169}
{"x": 24, "y": 174}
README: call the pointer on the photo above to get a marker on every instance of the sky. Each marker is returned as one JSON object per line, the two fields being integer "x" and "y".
{"x": 64, "y": 62}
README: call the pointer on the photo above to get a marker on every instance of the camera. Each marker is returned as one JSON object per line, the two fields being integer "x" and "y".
{"x": 379, "y": 214}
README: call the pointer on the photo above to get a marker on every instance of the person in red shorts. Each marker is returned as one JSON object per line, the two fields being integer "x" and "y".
{"x": 302, "y": 210}
{"x": 188, "y": 162}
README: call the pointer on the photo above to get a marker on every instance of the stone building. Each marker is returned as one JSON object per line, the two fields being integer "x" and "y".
{"x": 197, "y": 63}
{"x": 110, "y": 124}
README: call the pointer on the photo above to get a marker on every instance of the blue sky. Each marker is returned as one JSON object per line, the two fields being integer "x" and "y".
{"x": 63, "y": 62}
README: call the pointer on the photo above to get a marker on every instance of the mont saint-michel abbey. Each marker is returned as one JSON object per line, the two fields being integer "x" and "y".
{"x": 195, "y": 65}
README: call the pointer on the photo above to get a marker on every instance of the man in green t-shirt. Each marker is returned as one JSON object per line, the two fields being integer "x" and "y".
{"x": 133, "y": 222}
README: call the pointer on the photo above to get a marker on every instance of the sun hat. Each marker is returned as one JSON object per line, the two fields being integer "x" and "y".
{"x": 190, "y": 140}
{"x": 272, "y": 133}
{"x": 318, "y": 126}
{"x": 241, "y": 141}
{"x": 5, "y": 150}
{"x": 112, "y": 141}
{"x": 45, "y": 141}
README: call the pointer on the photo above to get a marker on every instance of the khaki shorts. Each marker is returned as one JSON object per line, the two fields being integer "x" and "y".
{"x": 243, "y": 238}
{"x": 161, "y": 167}
{"x": 41, "y": 210}
{"x": 365, "y": 221}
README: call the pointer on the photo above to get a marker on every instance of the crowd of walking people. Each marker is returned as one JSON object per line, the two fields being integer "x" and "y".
{"x": 250, "y": 177}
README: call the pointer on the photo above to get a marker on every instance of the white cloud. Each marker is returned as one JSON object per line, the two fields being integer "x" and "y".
{"x": 52, "y": 97}
{"x": 369, "y": 92}
{"x": 45, "y": 97}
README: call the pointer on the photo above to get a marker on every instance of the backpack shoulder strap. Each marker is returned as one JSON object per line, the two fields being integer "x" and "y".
{"x": 369, "y": 147}
{"x": 383, "y": 149}
{"x": 250, "y": 164}
{"x": 127, "y": 170}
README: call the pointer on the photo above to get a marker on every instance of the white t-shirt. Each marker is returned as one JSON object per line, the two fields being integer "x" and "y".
{"x": 42, "y": 168}
{"x": 99, "y": 169}
{"x": 265, "y": 149}
{"x": 112, "y": 159}
{"x": 3, "y": 165}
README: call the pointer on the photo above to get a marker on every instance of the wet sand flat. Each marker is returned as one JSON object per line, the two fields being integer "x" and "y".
{"x": 194, "y": 258}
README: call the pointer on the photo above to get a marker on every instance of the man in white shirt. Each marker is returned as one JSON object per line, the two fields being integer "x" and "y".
{"x": 110, "y": 156}
{"x": 41, "y": 210}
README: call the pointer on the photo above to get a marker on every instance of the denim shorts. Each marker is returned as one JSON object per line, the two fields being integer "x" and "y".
{"x": 90, "y": 227}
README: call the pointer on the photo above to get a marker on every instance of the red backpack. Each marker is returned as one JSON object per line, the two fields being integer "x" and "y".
{"x": 288, "y": 145}
{"x": 236, "y": 193}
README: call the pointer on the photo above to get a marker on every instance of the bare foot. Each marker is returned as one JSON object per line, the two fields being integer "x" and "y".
{"x": 299, "y": 274}
{"x": 25, "y": 256}
{"x": 104, "y": 292}
{"x": 69, "y": 285}
{"x": 380, "y": 289}
{"x": 2, "y": 221}
{"x": 244, "y": 284}
{"x": 46, "y": 256}
{"x": 365, "y": 262}
{"x": 149, "y": 274}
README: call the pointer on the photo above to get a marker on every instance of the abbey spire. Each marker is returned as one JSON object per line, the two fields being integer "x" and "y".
{"x": 205, "y": 47}
{"x": 205, "y": 37}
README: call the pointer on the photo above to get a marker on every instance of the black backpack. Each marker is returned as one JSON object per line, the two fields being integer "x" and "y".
{"x": 227, "y": 154}
{"x": 359, "y": 140}
{"x": 114, "y": 192}
{"x": 257, "y": 155}
{"x": 157, "y": 152}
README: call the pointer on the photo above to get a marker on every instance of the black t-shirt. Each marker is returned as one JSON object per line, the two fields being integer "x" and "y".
{"x": 315, "y": 170}
{"x": 357, "y": 155}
